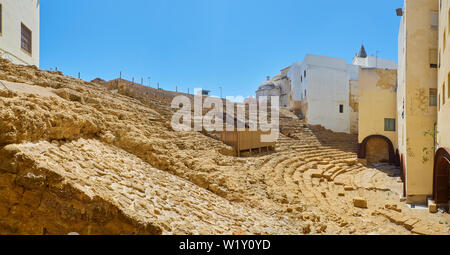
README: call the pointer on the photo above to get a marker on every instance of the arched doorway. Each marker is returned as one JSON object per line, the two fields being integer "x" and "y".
{"x": 377, "y": 148}
{"x": 441, "y": 181}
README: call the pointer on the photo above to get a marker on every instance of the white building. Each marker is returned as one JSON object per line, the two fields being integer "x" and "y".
{"x": 321, "y": 90}
{"x": 19, "y": 31}
{"x": 325, "y": 89}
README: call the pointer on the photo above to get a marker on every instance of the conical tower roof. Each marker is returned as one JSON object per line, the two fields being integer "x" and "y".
{"x": 362, "y": 52}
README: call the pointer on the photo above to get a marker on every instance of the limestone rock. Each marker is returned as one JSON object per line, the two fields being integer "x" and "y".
{"x": 360, "y": 203}
{"x": 70, "y": 95}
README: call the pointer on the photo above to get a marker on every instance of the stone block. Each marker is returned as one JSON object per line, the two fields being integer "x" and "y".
{"x": 348, "y": 188}
{"x": 360, "y": 203}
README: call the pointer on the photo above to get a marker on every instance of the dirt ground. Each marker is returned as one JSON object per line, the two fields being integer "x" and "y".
{"x": 78, "y": 157}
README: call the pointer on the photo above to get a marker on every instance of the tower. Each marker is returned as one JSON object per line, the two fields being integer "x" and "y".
{"x": 362, "y": 52}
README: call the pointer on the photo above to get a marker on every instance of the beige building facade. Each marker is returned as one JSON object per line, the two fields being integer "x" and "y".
{"x": 441, "y": 179}
{"x": 416, "y": 96}
{"x": 377, "y": 136}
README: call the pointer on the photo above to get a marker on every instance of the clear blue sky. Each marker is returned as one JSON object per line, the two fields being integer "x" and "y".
{"x": 208, "y": 43}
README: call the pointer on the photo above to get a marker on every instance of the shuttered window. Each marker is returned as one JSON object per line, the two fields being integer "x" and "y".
{"x": 433, "y": 97}
{"x": 26, "y": 39}
{"x": 389, "y": 124}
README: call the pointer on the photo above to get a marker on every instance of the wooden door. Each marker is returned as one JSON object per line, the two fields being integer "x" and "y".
{"x": 442, "y": 181}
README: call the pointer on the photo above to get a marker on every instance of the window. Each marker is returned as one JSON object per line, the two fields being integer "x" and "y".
{"x": 389, "y": 124}
{"x": 26, "y": 39}
{"x": 341, "y": 108}
{"x": 433, "y": 97}
{"x": 434, "y": 20}
{"x": 433, "y": 57}
{"x": 439, "y": 58}
{"x": 305, "y": 92}
{"x": 443, "y": 94}
{"x": 445, "y": 39}
{"x": 305, "y": 73}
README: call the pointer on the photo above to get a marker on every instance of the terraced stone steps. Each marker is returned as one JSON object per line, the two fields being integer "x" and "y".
{"x": 411, "y": 223}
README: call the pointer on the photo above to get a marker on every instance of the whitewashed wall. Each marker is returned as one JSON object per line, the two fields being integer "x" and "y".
{"x": 283, "y": 84}
{"x": 374, "y": 62}
{"x": 15, "y": 12}
{"x": 327, "y": 86}
{"x": 294, "y": 74}
{"x": 327, "y": 89}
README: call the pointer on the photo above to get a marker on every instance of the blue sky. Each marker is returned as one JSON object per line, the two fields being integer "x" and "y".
{"x": 233, "y": 44}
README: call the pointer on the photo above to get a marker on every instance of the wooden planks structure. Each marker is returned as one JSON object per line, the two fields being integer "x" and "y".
{"x": 246, "y": 141}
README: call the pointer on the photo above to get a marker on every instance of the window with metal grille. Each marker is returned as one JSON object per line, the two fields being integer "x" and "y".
{"x": 26, "y": 39}
{"x": 433, "y": 97}
{"x": 389, "y": 124}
